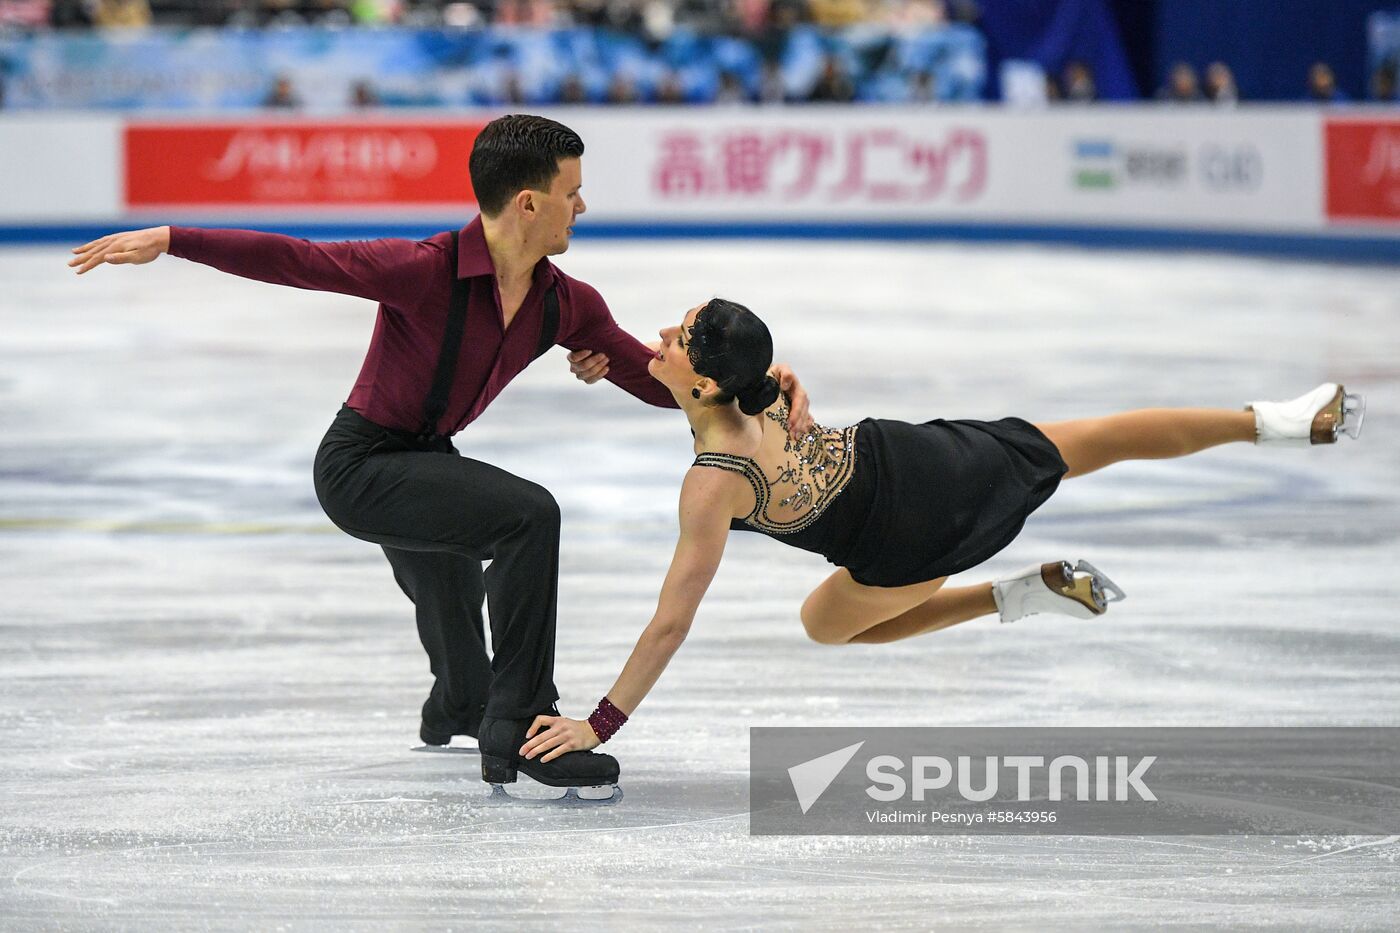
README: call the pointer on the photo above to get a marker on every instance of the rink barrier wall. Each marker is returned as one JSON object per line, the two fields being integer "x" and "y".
{"x": 1273, "y": 180}
{"x": 1352, "y": 249}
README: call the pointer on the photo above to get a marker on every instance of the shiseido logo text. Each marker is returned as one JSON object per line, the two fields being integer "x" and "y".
{"x": 369, "y": 153}
{"x": 1383, "y": 161}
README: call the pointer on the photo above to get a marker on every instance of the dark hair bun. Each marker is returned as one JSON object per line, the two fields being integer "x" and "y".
{"x": 758, "y": 397}
{"x": 732, "y": 346}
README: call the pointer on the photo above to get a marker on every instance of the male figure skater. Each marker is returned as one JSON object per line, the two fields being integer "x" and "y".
{"x": 460, "y": 315}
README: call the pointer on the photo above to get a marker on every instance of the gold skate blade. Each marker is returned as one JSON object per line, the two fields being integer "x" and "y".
{"x": 1060, "y": 578}
{"x": 1087, "y": 592}
{"x": 1326, "y": 422}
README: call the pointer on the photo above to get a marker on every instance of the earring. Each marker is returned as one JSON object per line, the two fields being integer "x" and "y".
{"x": 694, "y": 393}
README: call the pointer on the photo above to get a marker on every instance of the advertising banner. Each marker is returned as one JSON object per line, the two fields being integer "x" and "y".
{"x": 1363, "y": 170}
{"x": 831, "y": 168}
{"x": 57, "y": 168}
{"x": 779, "y": 165}
{"x": 284, "y": 164}
{"x": 1243, "y": 171}
{"x": 1132, "y": 174}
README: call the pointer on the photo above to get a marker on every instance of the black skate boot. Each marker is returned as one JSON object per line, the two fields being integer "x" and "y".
{"x": 437, "y": 736}
{"x": 588, "y": 777}
{"x": 430, "y": 737}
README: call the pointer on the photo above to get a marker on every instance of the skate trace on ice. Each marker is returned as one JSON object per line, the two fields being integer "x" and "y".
{"x": 207, "y": 693}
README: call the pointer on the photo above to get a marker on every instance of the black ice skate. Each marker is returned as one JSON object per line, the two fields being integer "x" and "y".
{"x": 458, "y": 740}
{"x": 588, "y": 778}
{"x": 446, "y": 743}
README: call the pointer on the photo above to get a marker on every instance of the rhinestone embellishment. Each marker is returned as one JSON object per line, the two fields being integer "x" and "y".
{"x": 821, "y": 464}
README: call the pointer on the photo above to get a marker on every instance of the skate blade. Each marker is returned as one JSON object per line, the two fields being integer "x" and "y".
{"x": 446, "y": 749}
{"x": 1060, "y": 578}
{"x": 1353, "y": 413}
{"x": 599, "y": 795}
{"x": 1085, "y": 584}
{"x": 1104, "y": 590}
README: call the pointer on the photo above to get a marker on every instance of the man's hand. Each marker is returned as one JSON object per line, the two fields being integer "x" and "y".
{"x": 557, "y": 735}
{"x": 135, "y": 247}
{"x": 588, "y": 366}
{"x": 799, "y": 417}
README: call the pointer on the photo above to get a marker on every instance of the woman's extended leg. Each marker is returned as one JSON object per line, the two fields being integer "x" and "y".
{"x": 943, "y": 609}
{"x": 1090, "y": 444}
{"x": 842, "y": 611}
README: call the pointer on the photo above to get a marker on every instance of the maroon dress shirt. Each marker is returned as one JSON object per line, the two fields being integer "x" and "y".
{"x": 412, "y": 281}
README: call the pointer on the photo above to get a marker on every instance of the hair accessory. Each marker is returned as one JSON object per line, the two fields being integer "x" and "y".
{"x": 732, "y": 347}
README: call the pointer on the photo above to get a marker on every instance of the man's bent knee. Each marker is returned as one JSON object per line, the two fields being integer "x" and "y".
{"x": 538, "y": 508}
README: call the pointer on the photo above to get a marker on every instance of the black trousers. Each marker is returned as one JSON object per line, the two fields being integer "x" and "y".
{"x": 438, "y": 515}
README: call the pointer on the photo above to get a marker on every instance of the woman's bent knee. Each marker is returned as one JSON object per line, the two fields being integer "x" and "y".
{"x": 826, "y": 636}
{"x": 820, "y": 625}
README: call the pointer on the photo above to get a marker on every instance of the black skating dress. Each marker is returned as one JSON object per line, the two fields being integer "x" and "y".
{"x": 898, "y": 503}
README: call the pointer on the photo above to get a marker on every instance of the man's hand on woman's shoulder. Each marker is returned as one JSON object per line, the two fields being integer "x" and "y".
{"x": 799, "y": 413}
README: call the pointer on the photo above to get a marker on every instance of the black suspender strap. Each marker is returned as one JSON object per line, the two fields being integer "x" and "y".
{"x": 549, "y": 327}
{"x": 436, "y": 402}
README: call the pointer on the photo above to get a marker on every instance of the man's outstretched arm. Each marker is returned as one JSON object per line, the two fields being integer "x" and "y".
{"x": 591, "y": 364}
{"x": 391, "y": 271}
{"x": 626, "y": 356}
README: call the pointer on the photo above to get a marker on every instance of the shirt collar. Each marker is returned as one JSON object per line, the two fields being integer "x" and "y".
{"x": 474, "y": 259}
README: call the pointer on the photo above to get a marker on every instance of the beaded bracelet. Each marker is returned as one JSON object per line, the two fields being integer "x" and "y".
{"x": 606, "y": 720}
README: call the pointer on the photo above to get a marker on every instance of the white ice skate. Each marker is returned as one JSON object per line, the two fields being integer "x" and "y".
{"x": 1316, "y": 418}
{"x": 1082, "y": 591}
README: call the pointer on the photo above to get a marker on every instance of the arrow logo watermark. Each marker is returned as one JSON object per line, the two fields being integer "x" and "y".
{"x": 811, "y": 778}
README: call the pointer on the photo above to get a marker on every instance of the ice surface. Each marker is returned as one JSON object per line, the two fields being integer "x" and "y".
{"x": 207, "y": 694}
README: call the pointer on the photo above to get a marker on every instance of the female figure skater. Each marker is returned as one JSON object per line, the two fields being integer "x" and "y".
{"x": 898, "y": 507}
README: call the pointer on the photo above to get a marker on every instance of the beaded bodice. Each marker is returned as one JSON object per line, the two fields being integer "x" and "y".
{"x": 818, "y": 467}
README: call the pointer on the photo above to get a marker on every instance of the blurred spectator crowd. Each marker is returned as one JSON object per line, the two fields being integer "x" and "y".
{"x": 624, "y": 51}
{"x": 675, "y": 51}
{"x": 1217, "y": 84}
{"x": 654, "y": 19}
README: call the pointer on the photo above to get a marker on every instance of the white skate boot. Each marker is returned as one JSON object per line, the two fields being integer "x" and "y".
{"x": 1316, "y": 418}
{"x": 1081, "y": 591}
